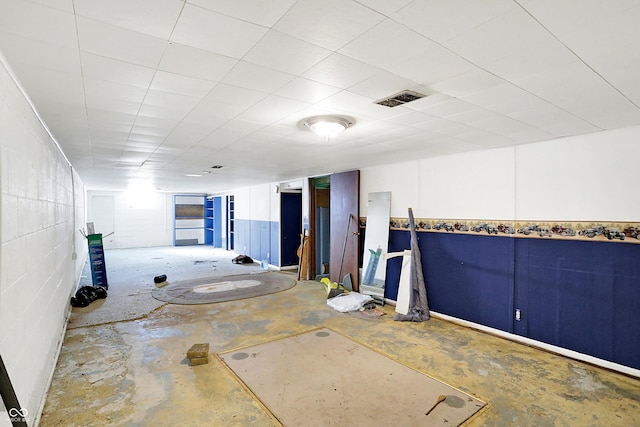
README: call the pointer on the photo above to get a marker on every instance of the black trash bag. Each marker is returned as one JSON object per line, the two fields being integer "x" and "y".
{"x": 88, "y": 294}
{"x": 242, "y": 259}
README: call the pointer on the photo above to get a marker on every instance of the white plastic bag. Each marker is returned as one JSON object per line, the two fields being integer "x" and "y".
{"x": 353, "y": 301}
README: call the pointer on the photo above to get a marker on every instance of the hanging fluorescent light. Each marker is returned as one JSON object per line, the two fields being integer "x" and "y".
{"x": 328, "y": 126}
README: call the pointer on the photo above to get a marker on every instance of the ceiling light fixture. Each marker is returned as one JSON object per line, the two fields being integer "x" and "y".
{"x": 328, "y": 126}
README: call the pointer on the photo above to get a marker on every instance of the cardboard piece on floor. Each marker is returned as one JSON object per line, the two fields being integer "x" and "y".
{"x": 337, "y": 381}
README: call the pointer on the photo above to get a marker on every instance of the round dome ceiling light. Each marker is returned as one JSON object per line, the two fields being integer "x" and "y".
{"x": 328, "y": 126}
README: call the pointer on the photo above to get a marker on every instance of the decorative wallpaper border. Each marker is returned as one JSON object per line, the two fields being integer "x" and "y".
{"x": 612, "y": 231}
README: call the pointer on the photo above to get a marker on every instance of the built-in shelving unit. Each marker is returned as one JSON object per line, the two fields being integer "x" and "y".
{"x": 213, "y": 221}
{"x": 230, "y": 222}
{"x": 188, "y": 219}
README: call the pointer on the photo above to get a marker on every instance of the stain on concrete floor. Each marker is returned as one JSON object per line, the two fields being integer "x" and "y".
{"x": 132, "y": 372}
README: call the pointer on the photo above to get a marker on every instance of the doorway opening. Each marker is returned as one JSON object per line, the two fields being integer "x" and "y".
{"x": 320, "y": 232}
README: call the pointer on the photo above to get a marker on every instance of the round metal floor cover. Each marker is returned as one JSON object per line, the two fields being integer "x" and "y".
{"x": 226, "y": 288}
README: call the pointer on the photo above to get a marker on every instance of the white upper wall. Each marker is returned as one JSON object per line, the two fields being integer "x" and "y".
{"x": 590, "y": 177}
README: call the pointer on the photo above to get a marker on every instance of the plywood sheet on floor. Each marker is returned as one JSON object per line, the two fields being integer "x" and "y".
{"x": 322, "y": 378}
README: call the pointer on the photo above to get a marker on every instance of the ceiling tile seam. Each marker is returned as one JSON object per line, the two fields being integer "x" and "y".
{"x": 574, "y": 53}
{"x": 155, "y": 72}
{"x": 493, "y": 73}
{"x": 84, "y": 90}
{"x": 293, "y": 37}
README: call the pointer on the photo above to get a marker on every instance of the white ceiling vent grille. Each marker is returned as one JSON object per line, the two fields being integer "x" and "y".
{"x": 400, "y": 98}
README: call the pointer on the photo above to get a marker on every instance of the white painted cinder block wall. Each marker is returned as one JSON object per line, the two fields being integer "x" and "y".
{"x": 590, "y": 177}
{"x": 136, "y": 222}
{"x": 42, "y": 209}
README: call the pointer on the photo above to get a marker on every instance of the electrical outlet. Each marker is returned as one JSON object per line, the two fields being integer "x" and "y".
{"x": 518, "y": 314}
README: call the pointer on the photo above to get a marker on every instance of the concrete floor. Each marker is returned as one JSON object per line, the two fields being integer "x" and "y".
{"x": 123, "y": 360}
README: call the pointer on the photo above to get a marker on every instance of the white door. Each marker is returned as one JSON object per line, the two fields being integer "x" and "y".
{"x": 103, "y": 218}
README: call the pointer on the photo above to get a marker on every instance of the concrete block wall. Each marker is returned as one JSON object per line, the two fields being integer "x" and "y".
{"x": 42, "y": 208}
{"x": 135, "y": 222}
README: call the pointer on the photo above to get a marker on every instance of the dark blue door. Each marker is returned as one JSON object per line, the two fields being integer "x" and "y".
{"x": 291, "y": 227}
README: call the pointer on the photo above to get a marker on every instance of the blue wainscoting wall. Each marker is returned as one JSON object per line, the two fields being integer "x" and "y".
{"x": 258, "y": 239}
{"x": 579, "y": 295}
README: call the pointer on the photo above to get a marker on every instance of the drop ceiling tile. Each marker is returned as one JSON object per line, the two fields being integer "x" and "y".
{"x": 133, "y": 157}
{"x": 226, "y": 94}
{"x": 449, "y": 108}
{"x": 152, "y": 126}
{"x": 112, "y": 137}
{"x": 487, "y": 42}
{"x": 340, "y": 71}
{"x": 110, "y": 120}
{"x": 21, "y": 51}
{"x": 256, "y": 77}
{"x": 281, "y": 52}
{"x": 145, "y": 139}
{"x": 52, "y": 87}
{"x": 152, "y": 17}
{"x": 531, "y": 60}
{"x": 216, "y": 33}
{"x": 601, "y": 105}
{"x": 472, "y": 116}
{"x": 271, "y": 109}
{"x": 612, "y": 54}
{"x": 387, "y": 44}
{"x": 94, "y": 87}
{"x": 302, "y": 89}
{"x": 502, "y": 125}
{"x": 443, "y": 126}
{"x": 555, "y": 121}
{"x": 116, "y": 71}
{"x": 97, "y": 101}
{"x": 467, "y": 83}
{"x": 185, "y": 135}
{"x": 38, "y": 22}
{"x": 143, "y": 143}
{"x": 61, "y": 5}
{"x": 385, "y": 7}
{"x": 442, "y": 21}
{"x": 221, "y": 137}
{"x": 265, "y": 13}
{"x": 433, "y": 65}
{"x": 330, "y": 24}
{"x": 505, "y": 98}
{"x": 119, "y": 43}
{"x": 485, "y": 139}
{"x": 197, "y": 63}
{"x": 182, "y": 85}
{"x": 181, "y": 104}
{"x": 563, "y": 18}
{"x": 411, "y": 118}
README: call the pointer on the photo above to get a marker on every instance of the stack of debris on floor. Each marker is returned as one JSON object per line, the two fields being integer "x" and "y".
{"x": 88, "y": 294}
{"x": 198, "y": 354}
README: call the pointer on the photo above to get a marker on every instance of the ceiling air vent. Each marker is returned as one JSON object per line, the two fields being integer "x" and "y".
{"x": 217, "y": 167}
{"x": 400, "y": 98}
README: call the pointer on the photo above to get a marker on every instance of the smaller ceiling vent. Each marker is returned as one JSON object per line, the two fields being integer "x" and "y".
{"x": 400, "y": 98}
{"x": 217, "y": 167}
